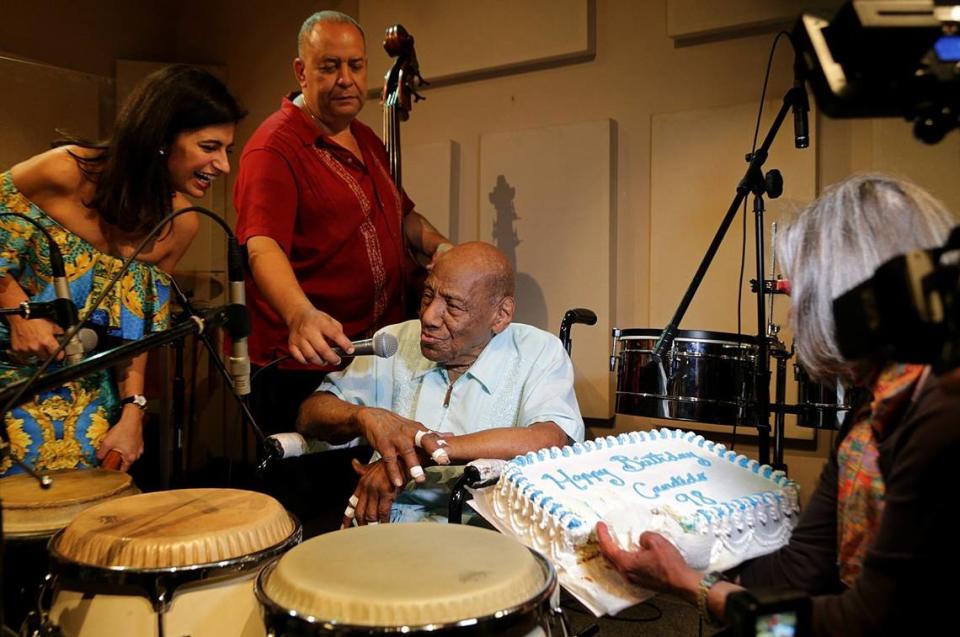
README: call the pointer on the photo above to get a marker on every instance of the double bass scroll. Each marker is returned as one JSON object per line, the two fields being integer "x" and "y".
{"x": 399, "y": 94}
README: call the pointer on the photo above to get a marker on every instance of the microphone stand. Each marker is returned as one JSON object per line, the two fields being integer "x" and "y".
{"x": 246, "y": 414}
{"x": 113, "y": 356}
{"x": 753, "y": 181}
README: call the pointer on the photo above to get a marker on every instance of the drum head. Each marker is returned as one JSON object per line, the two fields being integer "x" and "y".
{"x": 172, "y": 529}
{"x": 29, "y": 510}
{"x": 404, "y": 575}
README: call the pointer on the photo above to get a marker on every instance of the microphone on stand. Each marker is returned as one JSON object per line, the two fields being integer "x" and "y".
{"x": 238, "y": 326}
{"x": 801, "y": 107}
{"x": 291, "y": 444}
{"x": 57, "y": 312}
{"x": 65, "y": 310}
{"x": 383, "y": 345}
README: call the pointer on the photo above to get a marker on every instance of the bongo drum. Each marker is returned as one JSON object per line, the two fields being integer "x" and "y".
{"x": 167, "y": 563}
{"x": 410, "y": 578}
{"x": 32, "y": 514}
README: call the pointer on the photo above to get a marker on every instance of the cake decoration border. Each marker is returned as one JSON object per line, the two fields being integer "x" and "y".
{"x": 713, "y": 516}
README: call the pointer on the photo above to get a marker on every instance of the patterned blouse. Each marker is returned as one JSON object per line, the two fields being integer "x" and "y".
{"x": 63, "y": 428}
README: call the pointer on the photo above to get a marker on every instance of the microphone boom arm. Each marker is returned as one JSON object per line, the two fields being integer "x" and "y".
{"x": 753, "y": 181}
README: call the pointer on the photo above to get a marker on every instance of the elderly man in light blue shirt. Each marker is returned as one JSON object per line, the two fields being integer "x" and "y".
{"x": 465, "y": 383}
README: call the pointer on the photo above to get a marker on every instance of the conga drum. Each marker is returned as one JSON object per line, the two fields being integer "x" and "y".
{"x": 32, "y": 514}
{"x": 171, "y": 563}
{"x": 413, "y": 579}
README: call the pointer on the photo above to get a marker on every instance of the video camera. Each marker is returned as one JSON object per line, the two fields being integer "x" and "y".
{"x": 768, "y": 613}
{"x": 906, "y": 311}
{"x": 886, "y": 58}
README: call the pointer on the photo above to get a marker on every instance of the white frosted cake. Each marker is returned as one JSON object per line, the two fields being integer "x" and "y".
{"x": 718, "y": 507}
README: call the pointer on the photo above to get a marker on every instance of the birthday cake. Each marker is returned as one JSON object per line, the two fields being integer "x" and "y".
{"x": 718, "y": 507}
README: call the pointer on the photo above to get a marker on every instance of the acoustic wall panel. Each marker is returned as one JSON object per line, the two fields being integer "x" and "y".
{"x": 462, "y": 40}
{"x": 431, "y": 177}
{"x": 548, "y": 202}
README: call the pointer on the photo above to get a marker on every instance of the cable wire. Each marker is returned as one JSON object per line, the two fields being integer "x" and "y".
{"x": 743, "y": 233}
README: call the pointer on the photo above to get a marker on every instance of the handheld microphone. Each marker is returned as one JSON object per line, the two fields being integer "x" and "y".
{"x": 383, "y": 345}
{"x": 801, "y": 106}
{"x": 238, "y": 324}
{"x": 58, "y": 312}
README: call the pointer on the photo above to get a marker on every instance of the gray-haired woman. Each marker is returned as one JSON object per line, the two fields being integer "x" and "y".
{"x": 871, "y": 548}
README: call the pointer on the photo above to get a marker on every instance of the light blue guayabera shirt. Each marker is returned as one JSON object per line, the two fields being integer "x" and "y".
{"x": 523, "y": 376}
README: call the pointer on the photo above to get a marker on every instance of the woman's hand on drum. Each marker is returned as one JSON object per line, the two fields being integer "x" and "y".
{"x": 655, "y": 565}
{"x": 396, "y": 438}
{"x": 126, "y": 437}
{"x": 373, "y": 497}
{"x": 34, "y": 338}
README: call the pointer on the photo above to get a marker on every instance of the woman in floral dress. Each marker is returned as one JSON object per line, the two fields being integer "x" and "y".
{"x": 98, "y": 201}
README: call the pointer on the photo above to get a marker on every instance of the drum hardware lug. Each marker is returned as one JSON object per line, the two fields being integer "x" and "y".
{"x": 557, "y": 616}
{"x": 615, "y": 336}
{"x": 161, "y": 602}
{"x": 37, "y": 622}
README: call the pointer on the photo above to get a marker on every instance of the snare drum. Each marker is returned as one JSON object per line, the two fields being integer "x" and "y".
{"x": 32, "y": 514}
{"x": 705, "y": 377}
{"x": 167, "y": 563}
{"x": 410, "y": 578}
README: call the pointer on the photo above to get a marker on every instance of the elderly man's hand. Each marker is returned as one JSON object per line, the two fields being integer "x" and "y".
{"x": 310, "y": 331}
{"x": 373, "y": 497}
{"x": 396, "y": 438}
{"x": 656, "y": 565}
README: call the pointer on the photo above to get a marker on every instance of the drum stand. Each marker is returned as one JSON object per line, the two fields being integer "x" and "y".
{"x": 759, "y": 184}
{"x": 45, "y": 482}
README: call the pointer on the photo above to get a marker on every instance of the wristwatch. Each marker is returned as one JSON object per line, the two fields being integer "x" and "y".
{"x": 136, "y": 399}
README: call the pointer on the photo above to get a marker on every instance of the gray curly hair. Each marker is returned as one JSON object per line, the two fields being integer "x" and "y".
{"x": 837, "y": 242}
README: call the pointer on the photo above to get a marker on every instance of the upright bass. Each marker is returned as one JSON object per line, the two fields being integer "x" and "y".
{"x": 399, "y": 93}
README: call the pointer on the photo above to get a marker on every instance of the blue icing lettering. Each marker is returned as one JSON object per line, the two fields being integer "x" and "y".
{"x": 676, "y": 481}
{"x": 581, "y": 481}
{"x": 634, "y": 464}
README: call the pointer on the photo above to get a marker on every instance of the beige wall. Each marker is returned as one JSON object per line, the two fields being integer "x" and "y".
{"x": 638, "y": 74}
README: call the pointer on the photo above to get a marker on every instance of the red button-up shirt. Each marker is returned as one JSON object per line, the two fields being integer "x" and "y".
{"x": 339, "y": 221}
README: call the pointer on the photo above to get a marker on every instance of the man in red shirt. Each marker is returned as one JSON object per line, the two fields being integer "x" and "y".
{"x": 325, "y": 227}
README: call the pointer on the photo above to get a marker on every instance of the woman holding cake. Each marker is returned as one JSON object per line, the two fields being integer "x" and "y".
{"x": 871, "y": 547}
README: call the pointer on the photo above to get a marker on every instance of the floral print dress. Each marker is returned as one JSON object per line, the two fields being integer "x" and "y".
{"x": 63, "y": 428}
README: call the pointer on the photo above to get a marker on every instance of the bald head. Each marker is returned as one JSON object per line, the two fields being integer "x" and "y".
{"x": 467, "y": 300}
{"x": 492, "y": 269}
{"x": 323, "y": 17}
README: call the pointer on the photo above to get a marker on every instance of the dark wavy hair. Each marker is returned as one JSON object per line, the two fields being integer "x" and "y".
{"x": 132, "y": 183}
